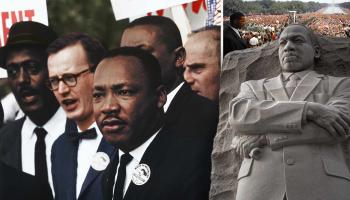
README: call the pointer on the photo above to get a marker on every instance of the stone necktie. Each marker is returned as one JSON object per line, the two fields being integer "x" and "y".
{"x": 292, "y": 84}
{"x": 40, "y": 154}
{"x": 119, "y": 185}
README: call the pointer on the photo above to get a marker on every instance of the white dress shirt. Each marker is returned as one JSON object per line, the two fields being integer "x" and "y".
{"x": 54, "y": 127}
{"x": 87, "y": 149}
{"x": 170, "y": 96}
{"x": 12, "y": 111}
{"x": 137, "y": 155}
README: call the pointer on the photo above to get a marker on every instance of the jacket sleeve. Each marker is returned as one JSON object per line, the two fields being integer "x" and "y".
{"x": 249, "y": 115}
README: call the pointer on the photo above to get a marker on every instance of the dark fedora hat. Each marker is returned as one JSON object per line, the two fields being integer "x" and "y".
{"x": 27, "y": 33}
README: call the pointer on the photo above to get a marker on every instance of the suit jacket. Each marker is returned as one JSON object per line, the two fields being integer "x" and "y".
{"x": 17, "y": 185}
{"x": 10, "y": 144}
{"x": 191, "y": 114}
{"x": 64, "y": 169}
{"x": 180, "y": 169}
{"x": 301, "y": 160}
{"x": 232, "y": 41}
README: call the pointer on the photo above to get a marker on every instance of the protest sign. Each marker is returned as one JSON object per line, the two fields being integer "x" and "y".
{"x": 18, "y": 10}
{"x": 125, "y": 9}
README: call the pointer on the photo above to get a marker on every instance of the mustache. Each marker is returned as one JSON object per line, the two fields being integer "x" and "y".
{"x": 112, "y": 121}
{"x": 26, "y": 90}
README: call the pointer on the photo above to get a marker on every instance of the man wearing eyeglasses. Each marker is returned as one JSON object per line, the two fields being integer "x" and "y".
{"x": 80, "y": 155}
{"x": 26, "y": 143}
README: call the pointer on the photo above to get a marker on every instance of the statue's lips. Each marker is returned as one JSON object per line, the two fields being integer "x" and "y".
{"x": 290, "y": 58}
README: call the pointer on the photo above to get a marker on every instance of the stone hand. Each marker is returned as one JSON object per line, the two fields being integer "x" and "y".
{"x": 245, "y": 144}
{"x": 334, "y": 121}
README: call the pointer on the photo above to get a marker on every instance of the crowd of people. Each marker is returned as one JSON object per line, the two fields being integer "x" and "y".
{"x": 266, "y": 28}
{"x": 108, "y": 124}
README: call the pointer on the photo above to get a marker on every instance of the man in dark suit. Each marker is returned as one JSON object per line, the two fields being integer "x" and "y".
{"x": 150, "y": 162}
{"x": 76, "y": 155}
{"x": 186, "y": 112}
{"x": 232, "y": 38}
{"x": 26, "y": 186}
{"x": 26, "y": 143}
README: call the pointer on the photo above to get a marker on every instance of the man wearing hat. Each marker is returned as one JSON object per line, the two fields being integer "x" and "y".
{"x": 26, "y": 143}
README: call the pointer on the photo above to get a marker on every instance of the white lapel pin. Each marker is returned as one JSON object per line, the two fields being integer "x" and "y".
{"x": 141, "y": 174}
{"x": 100, "y": 161}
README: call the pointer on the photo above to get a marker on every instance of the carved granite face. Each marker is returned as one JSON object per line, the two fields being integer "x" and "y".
{"x": 296, "y": 51}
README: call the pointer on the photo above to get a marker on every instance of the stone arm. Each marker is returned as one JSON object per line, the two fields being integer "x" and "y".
{"x": 250, "y": 116}
{"x": 314, "y": 121}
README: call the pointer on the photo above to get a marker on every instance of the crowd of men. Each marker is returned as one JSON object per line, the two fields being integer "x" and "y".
{"x": 134, "y": 122}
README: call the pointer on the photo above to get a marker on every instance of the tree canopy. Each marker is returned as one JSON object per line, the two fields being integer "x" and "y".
{"x": 269, "y": 7}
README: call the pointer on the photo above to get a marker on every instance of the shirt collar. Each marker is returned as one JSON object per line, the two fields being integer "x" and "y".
{"x": 29, "y": 125}
{"x": 235, "y": 30}
{"x": 138, "y": 152}
{"x": 171, "y": 96}
{"x": 301, "y": 74}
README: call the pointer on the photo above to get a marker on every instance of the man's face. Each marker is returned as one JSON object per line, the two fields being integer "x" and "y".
{"x": 76, "y": 100}
{"x": 124, "y": 104}
{"x": 149, "y": 38}
{"x": 296, "y": 52}
{"x": 27, "y": 74}
{"x": 202, "y": 68}
{"x": 239, "y": 23}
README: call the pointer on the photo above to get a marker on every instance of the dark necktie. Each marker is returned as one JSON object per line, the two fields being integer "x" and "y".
{"x": 40, "y": 154}
{"x": 119, "y": 185}
{"x": 87, "y": 134}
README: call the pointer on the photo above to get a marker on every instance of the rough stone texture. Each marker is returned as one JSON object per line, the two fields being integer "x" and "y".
{"x": 258, "y": 63}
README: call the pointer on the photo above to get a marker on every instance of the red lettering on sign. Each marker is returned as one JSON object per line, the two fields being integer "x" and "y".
{"x": 29, "y": 14}
{"x": 16, "y": 16}
{"x": 5, "y": 30}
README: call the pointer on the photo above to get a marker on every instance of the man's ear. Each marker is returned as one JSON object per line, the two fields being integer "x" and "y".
{"x": 162, "y": 96}
{"x": 317, "y": 51}
{"x": 180, "y": 56}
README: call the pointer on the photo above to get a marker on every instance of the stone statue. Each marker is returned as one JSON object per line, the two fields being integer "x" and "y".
{"x": 294, "y": 127}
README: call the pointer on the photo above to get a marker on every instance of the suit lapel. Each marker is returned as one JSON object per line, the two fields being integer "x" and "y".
{"x": 13, "y": 156}
{"x": 180, "y": 98}
{"x": 238, "y": 38}
{"x": 92, "y": 174}
{"x": 275, "y": 87}
{"x": 69, "y": 168}
{"x": 107, "y": 182}
{"x": 153, "y": 157}
{"x": 306, "y": 86}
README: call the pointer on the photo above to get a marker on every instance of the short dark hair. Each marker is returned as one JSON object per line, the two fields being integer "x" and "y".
{"x": 93, "y": 48}
{"x": 149, "y": 63}
{"x": 170, "y": 34}
{"x": 236, "y": 16}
